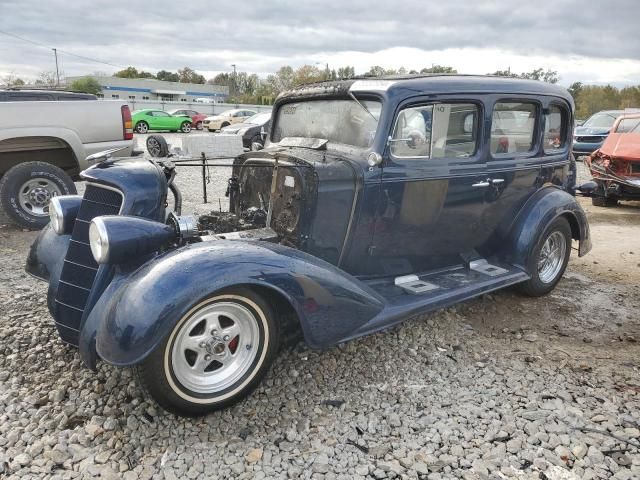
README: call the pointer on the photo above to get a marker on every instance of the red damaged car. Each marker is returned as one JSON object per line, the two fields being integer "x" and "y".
{"x": 196, "y": 117}
{"x": 615, "y": 166}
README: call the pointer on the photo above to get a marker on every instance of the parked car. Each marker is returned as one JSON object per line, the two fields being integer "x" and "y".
{"x": 615, "y": 166}
{"x": 17, "y": 95}
{"x": 204, "y": 100}
{"x": 196, "y": 117}
{"x": 251, "y": 129}
{"x": 149, "y": 119}
{"x": 373, "y": 201}
{"x": 44, "y": 145}
{"x": 226, "y": 118}
{"x": 588, "y": 137}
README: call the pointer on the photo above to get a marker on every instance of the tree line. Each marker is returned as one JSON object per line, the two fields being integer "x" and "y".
{"x": 249, "y": 88}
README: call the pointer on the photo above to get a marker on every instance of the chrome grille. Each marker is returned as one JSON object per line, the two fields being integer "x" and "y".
{"x": 79, "y": 268}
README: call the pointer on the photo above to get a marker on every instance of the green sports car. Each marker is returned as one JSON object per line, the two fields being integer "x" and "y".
{"x": 148, "y": 119}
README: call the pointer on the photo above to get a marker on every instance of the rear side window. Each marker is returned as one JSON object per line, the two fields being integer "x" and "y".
{"x": 512, "y": 127}
{"x": 555, "y": 129}
{"x": 444, "y": 130}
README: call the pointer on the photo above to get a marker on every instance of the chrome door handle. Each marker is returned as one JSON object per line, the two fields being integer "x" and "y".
{"x": 483, "y": 184}
{"x": 497, "y": 180}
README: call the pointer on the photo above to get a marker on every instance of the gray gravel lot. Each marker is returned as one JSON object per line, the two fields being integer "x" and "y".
{"x": 499, "y": 387}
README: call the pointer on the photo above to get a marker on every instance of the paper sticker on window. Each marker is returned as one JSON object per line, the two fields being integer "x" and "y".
{"x": 289, "y": 181}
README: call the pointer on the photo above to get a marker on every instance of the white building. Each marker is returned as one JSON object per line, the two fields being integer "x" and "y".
{"x": 136, "y": 89}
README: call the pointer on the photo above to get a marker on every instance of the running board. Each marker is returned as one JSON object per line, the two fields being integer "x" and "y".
{"x": 415, "y": 294}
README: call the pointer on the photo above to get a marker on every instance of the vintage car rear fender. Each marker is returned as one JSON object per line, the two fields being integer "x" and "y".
{"x": 540, "y": 210}
{"x": 140, "y": 308}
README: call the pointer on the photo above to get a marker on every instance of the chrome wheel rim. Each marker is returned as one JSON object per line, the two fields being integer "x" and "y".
{"x": 186, "y": 128}
{"x": 142, "y": 128}
{"x": 35, "y": 194}
{"x": 551, "y": 257}
{"x": 153, "y": 146}
{"x": 215, "y": 347}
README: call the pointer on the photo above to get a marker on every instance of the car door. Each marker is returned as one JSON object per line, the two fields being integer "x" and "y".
{"x": 528, "y": 148}
{"x": 163, "y": 120}
{"x": 432, "y": 195}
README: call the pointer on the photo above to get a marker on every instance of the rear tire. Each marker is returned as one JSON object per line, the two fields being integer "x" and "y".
{"x": 604, "y": 201}
{"x": 198, "y": 368}
{"x": 548, "y": 259}
{"x": 25, "y": 191}
{"x": 185, "y": 127}
{"x": 142, "y": 127}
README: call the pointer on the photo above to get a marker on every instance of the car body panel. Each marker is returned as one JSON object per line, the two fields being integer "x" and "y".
{"x": 228, "y": 117}
{"x": 615, "y": 166}
{"x": 192, "y": 114}
{"x": 159, "y": 120}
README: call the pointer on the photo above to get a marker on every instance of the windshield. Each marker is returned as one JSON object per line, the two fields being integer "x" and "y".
{"x": 259, "y": 118}
{"x": 628, "y": 125}
{"x": 339, "y": 121}
{"x": 600, "y": 120}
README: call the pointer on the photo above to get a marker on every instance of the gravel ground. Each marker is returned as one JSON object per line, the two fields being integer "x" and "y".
{"x": 499, "y": 387}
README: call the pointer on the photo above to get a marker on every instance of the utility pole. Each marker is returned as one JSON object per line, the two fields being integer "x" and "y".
{"x": 55, "y": 53}
{"x": 234, "y": 80}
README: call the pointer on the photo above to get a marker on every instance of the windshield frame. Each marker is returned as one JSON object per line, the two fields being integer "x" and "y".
{"x": 364, "y": 96}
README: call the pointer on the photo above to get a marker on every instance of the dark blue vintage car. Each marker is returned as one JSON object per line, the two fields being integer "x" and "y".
{"x": 372, "y": 201}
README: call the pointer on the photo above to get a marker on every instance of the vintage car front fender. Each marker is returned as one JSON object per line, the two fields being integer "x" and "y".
{"x": 540, "y": 210}
{"x": 139, "y": 308}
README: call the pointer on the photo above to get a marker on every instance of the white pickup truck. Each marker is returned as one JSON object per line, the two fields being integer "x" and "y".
{"x": 44, "y": 145}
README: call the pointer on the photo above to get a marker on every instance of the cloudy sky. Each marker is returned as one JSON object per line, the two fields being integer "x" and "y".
{"x": 589, "y": 40}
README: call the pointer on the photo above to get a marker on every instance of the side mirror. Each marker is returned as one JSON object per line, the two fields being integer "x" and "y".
{"x": 255, "y": 146}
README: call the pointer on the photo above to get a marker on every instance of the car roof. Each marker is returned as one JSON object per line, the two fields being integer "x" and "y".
{"x": 434, "y": 84}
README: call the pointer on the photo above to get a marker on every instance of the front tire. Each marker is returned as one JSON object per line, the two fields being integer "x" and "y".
{"x": 216, "y": 354}
{"x": 549, "y": 259}
{"x": 157, "y": 146}
{"x": 27, "y": 188}
{"x": 199, "y": 126}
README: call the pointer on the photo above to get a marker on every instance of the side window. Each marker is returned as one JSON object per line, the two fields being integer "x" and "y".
{"x": 512, "y": 127}
{"x": 412, "y": 133}
{"x": 555, "y": 128}
{"x": 444, "y": 130}
{"x": 454, "y": 131}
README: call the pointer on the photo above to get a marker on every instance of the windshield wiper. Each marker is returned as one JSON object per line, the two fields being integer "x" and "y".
{"x": 362, "y": 106}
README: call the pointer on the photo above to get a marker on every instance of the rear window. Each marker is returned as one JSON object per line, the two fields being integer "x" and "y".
{"x": 512, "y": 127}
{"x": 555, "y": 129}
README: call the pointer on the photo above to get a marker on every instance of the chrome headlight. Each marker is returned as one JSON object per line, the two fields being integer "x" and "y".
{"x": 116, "y": 239}
{"x": 99, "y": 240}
{"x": 63, "y": 211}
{"x": 55, "y": 215}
